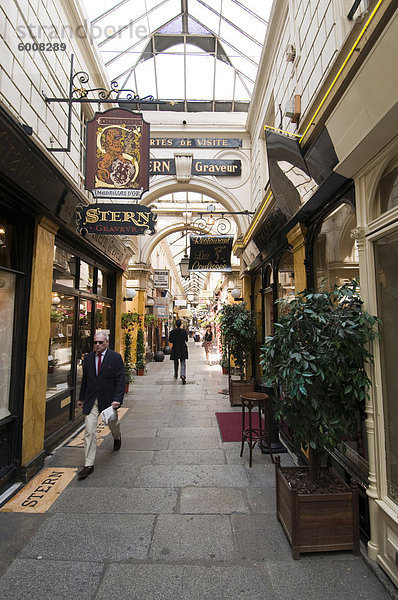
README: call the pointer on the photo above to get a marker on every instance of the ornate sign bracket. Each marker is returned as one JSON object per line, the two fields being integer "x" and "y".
{"x": 79, "y": 94}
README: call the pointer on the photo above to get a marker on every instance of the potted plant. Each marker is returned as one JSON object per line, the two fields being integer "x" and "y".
{"x": 140, "y": 356}
{"x": 128, "y": 366}
{"x": 316, "y": 363}
{"x": 238, "y": 331}
{"x": 224, "y": 362}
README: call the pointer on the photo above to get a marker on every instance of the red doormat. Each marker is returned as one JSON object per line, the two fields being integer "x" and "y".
{"x": 230, "y": 425}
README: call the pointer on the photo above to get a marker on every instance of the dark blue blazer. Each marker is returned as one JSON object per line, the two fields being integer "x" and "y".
{"x": 108, "y": 386}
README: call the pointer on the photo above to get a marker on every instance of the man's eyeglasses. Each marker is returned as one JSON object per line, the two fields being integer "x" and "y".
{"x": 95, "y": 342}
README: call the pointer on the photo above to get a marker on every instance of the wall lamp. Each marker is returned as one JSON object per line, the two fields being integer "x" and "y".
{"x": 130, "y": 295}
{"x": 236, "y": 294}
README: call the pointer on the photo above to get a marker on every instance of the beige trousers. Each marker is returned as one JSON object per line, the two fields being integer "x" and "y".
{"x": 90, "y": 434}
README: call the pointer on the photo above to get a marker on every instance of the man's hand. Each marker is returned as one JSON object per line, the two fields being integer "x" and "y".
{"x": 115, "y": 405}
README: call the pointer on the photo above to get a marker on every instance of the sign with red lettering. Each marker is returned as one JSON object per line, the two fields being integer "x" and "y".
{"x": 115, "y": 219}
{"x": 117, "y": 155}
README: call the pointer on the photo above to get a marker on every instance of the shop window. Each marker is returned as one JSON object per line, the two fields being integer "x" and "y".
{"x": 7, "y": 297}
{"x": 335, "y": 251}
{"x": 386, "y": 254}
{"x": 64, "y": 268}
{"x": 5, "y": 245}
{"x": 86, "y": 277}
{"x": 387, "y": 194}
{"x": 84, "y": 341}
{"x": 62, "y": 319}
{"x": 102, "y": 316}
{"x": 102, "y": 283}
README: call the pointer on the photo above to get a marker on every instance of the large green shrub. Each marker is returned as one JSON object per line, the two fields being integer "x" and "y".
{"x": 316, "y": 361}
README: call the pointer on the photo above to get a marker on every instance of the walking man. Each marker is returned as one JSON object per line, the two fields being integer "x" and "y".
{"x": 102, "y": 386}
{"x": 179, "y": 350}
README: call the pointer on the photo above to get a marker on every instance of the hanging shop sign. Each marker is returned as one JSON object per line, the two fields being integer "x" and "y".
{"x": 210, "y": 252}
{"x": 117, "y": 154}
{"x": 161, "y": 279}
{"x": 217, "y": 167}
{"x": 195, "y": 143}
{"x": 115, "y": 219}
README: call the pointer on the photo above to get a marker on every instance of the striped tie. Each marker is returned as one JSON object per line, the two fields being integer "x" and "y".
{"x": 99, "y": 363}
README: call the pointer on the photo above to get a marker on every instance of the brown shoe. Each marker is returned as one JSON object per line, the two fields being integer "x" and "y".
{"x": 85, "y": 472}
{"x": 183, "y": 379}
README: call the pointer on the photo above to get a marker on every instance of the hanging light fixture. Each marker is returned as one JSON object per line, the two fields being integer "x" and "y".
{"x": 56, "y": 299}
{"x": 184, "y": 264}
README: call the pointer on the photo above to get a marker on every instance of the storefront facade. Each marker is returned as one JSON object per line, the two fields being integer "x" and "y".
{"x": 56, "y": 290}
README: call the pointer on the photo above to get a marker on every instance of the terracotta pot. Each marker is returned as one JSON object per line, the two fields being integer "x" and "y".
{"x": 224, "y": 370}
{"x": 126, "y": 388}
{"x": 317, "y": 522}
{"x": 140, "y": 371}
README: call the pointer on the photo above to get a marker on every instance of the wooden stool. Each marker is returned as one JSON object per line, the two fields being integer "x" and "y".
{"x": 254, "y": 435}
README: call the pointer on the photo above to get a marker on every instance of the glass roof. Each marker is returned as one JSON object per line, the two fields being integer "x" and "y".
{"x": 201, "y": 54}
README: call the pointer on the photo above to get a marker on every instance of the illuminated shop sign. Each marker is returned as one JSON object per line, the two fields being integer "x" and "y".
{"x": 215, "y": 167}
{"x": 115, "y": 219}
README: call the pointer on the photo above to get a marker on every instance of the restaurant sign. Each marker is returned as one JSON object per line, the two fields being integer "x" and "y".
{"x": 115, "y": 219}
{"x": 210, "y": 252}
{"x": 117, "y": 154}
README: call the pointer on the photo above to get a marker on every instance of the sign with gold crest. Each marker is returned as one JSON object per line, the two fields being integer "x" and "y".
{"x": 117, "y": 154}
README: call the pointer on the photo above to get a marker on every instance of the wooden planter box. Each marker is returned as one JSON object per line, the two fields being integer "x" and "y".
{"x": 236, "y": 388}
{"x": 140, "y": 371}
{"x": 317, "y": 522}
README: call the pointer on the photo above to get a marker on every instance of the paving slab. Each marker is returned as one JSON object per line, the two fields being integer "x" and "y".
{"x": 190, "y": 457}
{"x": 191, "y": 475}
{"x": 192, "y": 537}
{"x": 260, "y": 538}
{"x": 37, "y": 579}
{"x": 16, "y": 530}
{"x": 123, "y": 501}
{"x": 194, "y": 443}
{"x": 326, "y": 578}
{"x": 171, "y": 582}
{"x": 213, "y": 500}
{"x": 91, "y": 538}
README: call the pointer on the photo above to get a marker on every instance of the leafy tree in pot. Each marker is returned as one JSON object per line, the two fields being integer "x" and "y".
{"x": 140, "y": 356}
{"x": 318, "y": 355}
{"x": 128, "y": 366}
{"x": 239, "y": 332}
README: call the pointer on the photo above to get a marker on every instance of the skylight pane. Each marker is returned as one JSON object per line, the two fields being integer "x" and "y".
{"x": 173, "y": 27}
{"x": 239, "y": 40}
{"x": 145, "y": 77}
{"x": 224, "y": 81}
{"x": 200, "y": 77}
{"x": 205, "y": 16}
{"x": 241, "y": 94}
{"x": 195, "y": 27}
{"x": 170, "y": 74}
{"x": 164, "y": 14}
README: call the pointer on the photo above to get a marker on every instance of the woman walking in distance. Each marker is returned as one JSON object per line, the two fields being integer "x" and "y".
{"x": 208, "y": 344}
{"x": 179, "y": 350}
